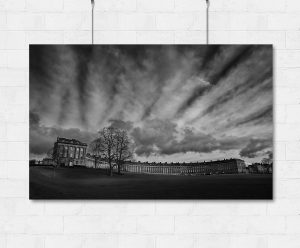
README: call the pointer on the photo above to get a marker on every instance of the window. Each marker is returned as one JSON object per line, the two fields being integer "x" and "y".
{"x": 61, "y": 151}
{"x": 77, "y": 152}
{"x": 81, "y": 152}
{"x": 71, "y": 152}
{"x": 66, "y": 151}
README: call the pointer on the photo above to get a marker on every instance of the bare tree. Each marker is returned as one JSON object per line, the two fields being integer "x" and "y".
{"x": 104, "y": 146}
{"x": 267, "y": 161}
{"x": 113, "y": 146}
{"x": 96, "y": 149}
{"x": 50, "y": 153}
{"x": 122, "y": 148}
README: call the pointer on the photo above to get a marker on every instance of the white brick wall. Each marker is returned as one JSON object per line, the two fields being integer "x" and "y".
{"x": 151, "y": 224}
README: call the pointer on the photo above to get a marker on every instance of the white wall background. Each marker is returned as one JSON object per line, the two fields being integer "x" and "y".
{"x": 152, "y": 224}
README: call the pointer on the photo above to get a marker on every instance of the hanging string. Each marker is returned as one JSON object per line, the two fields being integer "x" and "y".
{"x": 207, "y": 22}
{"x": 93, "y": 4}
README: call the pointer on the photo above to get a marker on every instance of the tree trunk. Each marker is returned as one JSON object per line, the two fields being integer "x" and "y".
{"x": 119, "y": 168}
{"x": 110, "y": 169}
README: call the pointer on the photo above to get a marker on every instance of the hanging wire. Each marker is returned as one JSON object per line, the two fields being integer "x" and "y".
{"x": 207, "y": 22}
{"x": 93, "y": 4}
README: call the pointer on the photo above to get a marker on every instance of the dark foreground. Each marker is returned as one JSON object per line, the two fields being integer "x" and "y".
{"x": 82, "y": 183}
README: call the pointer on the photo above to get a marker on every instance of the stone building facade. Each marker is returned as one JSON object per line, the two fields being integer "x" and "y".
{"x": 226, "y": 166}
{"x": 69, "y": 152}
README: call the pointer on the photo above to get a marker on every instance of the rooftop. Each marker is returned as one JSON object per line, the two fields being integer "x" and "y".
{"x": 70, "y": 141}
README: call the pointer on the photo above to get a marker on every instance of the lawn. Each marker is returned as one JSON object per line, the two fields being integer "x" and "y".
{"x": 83, "y": 183}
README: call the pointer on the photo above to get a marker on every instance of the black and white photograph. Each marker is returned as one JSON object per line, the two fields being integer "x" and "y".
{"x": 151, "y": 122}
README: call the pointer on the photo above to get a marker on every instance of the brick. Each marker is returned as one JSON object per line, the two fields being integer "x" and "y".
{"x": 128, "y": 241}
{"x": 102, "y": 240}
{"x": 155, "y": 37}
{"x": 283, "y": 21}
{"x": 210, "y": 224}
{"x": 213, "y": 240}
{"x": 288, "y": 58}
{"x": 13, "y": 188}
{"x": 22, "y": 153}
{"x": 13, "y": 95}
{"x": 20, "y": 207}
{"x": 105, "y": 208}
{"x": 277, "y": 38}
{"x": 51, "y": 6}
{"x": 139, "y": 208}
{"x": 116, "y": 5}
{"x": 44, "y": 225}
{"x": 292, "y": 39}
{"x": 190, "y": 37}
{"x": 280, "y": 113}
{"x": 287, "y": 188}
{"x": 175, "y": 241}
{"x": 12, "y": 5}
{"x": 78, "y": 5}
{"x": 289, "y": 169}
{"x": 68, "y": 21}
{"x": 63, "y": 208}
{"x": 192, "y": 21}
{"x": 248, "y": 241}
{"x": 279, "y": 241}
{"x": 189, "y": 5}
{"x": 16, "y": 241}
{"x": 230, "y": 5}
{"x": 18, "y": 59}
{"x": 9, "y": 76}
{"x": 155, "y": 5}
{"x": 287, "y": 95}
{"x": 292, "y": 112}
{"x": 292, "y": 150}
{"x": 45, "y": 37}
{"x": 16, "y": 170}
{"x": 72, "y": 241}
{"x": 265, "y": 225}
{"x": 2, "y": 241}
{"x": 292, "y": 224}
{"x": 136, "y": 21}
{"x": 99, "y": 224}
{"x": 229, "y": 208}
{"x": 25, "y": 21}
{"x": 175, "y": 208}
{"x": 292, "y": 6}
{"x": 287, "y": 132}
{"x": 13, "y": 113}
{"x": 237, "y": 21}
{"x": 77, "y": 37}
{"x": 155, "y": 224}
{"x": 13, "y": 40}
{"x": 115, "y": 37}
{"x": 17, "y": 132}
{"x": 3, "y": 21}
{"x": 283, "y": 207}
{"x": 265, "y": 6}
{"x": 288, "y": 77}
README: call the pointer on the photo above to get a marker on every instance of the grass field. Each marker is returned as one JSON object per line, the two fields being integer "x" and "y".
{"x": 83, "y": 183}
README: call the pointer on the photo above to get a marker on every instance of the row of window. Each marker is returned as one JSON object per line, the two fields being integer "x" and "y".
{"x": 71, "y": 152}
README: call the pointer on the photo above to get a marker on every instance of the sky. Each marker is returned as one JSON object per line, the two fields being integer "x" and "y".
{"x": 177, "y": 102}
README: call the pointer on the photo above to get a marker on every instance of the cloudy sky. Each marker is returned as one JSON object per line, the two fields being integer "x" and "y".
{"x": 178, "y": 103}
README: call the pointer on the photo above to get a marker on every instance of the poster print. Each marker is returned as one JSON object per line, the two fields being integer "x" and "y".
{"x": 151, "y": 122}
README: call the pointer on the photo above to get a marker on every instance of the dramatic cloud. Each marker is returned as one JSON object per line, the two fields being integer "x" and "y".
{"x": 178, "y": 103}
{"x": 257, "y": 147}
{"x": 42, "y": 138}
